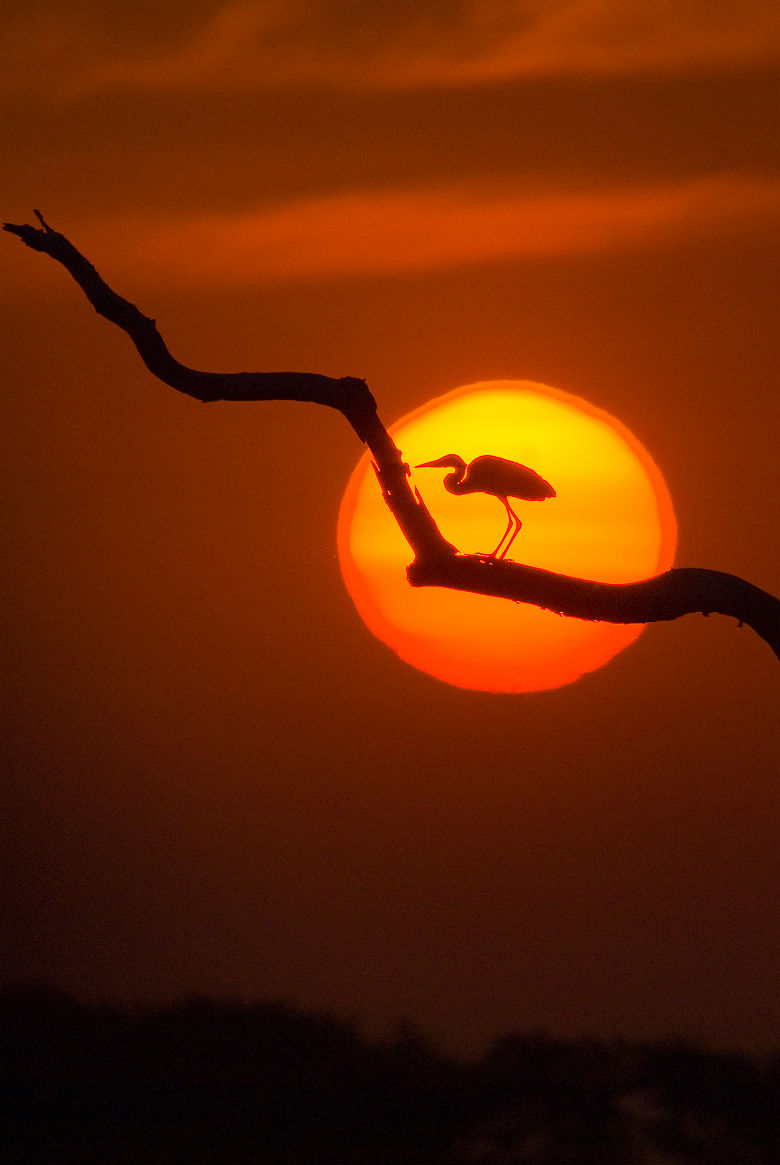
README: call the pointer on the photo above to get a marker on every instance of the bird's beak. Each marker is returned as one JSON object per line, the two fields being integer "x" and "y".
{"x": 430, "y": 464}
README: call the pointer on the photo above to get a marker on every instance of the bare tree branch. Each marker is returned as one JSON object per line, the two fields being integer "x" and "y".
{"x": 349, "y": 395}
{"x": 437, "y": 563}
{"x": 682, "y": 591}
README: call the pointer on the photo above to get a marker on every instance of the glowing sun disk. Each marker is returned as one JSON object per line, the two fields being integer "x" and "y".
{"x": 611, "y": 521}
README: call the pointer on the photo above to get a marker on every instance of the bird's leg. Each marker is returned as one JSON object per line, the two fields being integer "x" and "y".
{"x": 513, "y": 520}
{"x": 514, "y": 534}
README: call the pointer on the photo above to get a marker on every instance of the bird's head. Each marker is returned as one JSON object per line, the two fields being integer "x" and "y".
{"x": 449, "y": 461}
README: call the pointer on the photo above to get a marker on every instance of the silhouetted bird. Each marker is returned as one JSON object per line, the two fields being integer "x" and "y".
{"x": 496, "y": 476}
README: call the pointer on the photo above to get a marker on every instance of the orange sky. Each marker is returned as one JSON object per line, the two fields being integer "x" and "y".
{"x": 219, "y": 780}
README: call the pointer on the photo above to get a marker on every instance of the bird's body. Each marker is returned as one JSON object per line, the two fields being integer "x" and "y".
{"x": 498, "y": 477}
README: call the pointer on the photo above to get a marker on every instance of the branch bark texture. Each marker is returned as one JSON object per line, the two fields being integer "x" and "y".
{"x": 436, "y": 563}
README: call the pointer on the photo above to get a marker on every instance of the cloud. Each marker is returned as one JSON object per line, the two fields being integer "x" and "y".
{"x": 391, "y": 232}
{"x": 348, "y": 44}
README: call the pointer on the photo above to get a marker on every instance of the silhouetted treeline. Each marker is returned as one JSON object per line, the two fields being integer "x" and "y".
{"x": 209, "y": 1082}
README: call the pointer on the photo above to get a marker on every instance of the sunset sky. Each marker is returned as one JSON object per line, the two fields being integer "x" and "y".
{"x": 218, "y": 780}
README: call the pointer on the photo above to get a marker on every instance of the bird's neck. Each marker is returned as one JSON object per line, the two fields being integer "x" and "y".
{"x": 454, "y": 481}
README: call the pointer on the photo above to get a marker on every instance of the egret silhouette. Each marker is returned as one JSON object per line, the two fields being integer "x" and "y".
{"x": 496, "y": 476}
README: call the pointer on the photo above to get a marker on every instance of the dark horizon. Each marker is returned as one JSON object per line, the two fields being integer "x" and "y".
{"x": 221, "y": 1082}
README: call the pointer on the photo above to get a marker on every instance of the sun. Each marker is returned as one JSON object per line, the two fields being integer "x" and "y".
{"x": 611, "y": 521}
